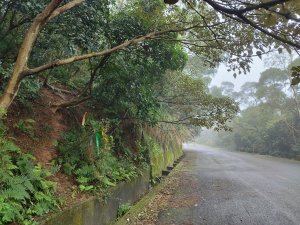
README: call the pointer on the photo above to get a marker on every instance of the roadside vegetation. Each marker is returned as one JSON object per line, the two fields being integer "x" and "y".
{"x": 270, "y": 120}
{"x": 93, "y": 92}
{"x": 25, "y": 190}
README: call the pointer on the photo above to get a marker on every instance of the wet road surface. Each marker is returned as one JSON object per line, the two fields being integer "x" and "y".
{"x": 229, "y": 188}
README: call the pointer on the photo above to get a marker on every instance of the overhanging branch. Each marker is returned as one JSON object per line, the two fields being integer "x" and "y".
{"x": 124, "y": 45}
{"x": 239, "y": 13}
{"x": 65, "y": 8}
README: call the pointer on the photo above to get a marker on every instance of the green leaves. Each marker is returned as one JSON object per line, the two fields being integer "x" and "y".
{"x": 270, "y": 124}
{"x": 270, "y": 20}
{"x": 127, "y": 83}
{"x": 123, "y": 209}
{"x": 295, "y": 75}
{"x": 187, "y": 99}
{"x": 24, "y": 189}
{"x": 93, "y": 173}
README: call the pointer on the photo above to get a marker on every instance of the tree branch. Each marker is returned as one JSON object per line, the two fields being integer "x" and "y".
{"x": 86, "y": 93}
{"x": 65, "y": 8}
{"x": 264, "y": 5}
{"x": 70, "y": 103}
{"x": 239, "y": 13}
{"x": 124, "y": 45}
{"x": 269, "y": 33}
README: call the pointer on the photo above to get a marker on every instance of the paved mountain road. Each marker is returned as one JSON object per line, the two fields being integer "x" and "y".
{"x": 239, "y": 188}
{"x": 216, "y": 187}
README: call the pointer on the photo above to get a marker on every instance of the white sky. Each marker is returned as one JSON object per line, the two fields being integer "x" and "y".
{"x": 222, "y": 75}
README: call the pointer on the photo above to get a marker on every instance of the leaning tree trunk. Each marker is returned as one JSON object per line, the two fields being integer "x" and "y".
{"x": 10, "y": 91}
{"x": 12, "y": 87}
{"x": 51, "y": 11}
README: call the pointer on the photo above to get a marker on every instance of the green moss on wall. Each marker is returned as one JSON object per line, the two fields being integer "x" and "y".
{"x": 156, "y": 158}
{"x": 169, "y": 157}
{"x": 178, "y": 152}
{"x": 161, "y": 158}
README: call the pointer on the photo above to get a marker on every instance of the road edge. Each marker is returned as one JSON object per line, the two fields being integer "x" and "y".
{"x": 140, "y": 205}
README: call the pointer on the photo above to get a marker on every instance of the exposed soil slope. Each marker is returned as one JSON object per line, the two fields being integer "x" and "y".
{"x": 48, "y": 126}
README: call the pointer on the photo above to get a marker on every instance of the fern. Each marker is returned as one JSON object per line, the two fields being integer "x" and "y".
{"x": 101, "y": 173}
{"x": 17, "y": 192}
{"x": 94, "y": 167}
{"x": 24, "y": 189}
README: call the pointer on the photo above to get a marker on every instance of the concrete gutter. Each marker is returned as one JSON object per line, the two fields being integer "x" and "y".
{"x": 96, "y": 211}
{"x": 140, "y": 205}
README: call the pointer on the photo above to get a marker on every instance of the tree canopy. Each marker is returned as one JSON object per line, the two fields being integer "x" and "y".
{"x": 116, "y": 54}
{"x": 205, "y": 27}
{"x": 269, "y": 122}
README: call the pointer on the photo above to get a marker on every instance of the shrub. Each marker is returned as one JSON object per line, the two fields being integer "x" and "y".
{"x": 93, "y": 169}
{"x": 24, "y": 190}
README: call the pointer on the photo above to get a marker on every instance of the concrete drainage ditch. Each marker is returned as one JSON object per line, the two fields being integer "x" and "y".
{"x": 166, "y": 172}
{"x": 95, "y": 211}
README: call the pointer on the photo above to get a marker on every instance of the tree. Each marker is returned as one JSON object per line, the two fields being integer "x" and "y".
{"x": 248, "y": 94}
{"x": 270, "y": 87}
{"x": 186, "y": 98}
{"x": 197, "y": 67}
{"x": 271, "y": 125}
{"x": 192, "y": 22}
{"x": 126, "y": 87}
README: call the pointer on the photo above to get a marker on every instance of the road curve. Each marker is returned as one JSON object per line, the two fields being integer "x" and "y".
{"x": 237, "y": 188}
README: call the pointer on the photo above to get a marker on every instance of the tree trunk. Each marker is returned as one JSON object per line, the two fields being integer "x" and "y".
{"x": 52, "y": 10}
{"x": 12, "y": 87}
{"x": 68, "y": 104}
{"x": 9, "y": 93}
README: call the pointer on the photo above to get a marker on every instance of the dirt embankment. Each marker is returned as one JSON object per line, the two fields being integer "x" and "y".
{"x": 40, "y": 135}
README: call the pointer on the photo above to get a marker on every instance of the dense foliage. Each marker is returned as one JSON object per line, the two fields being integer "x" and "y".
{"x": 25, "y": 191}
{"x": 187, "y": 99}
{"x": 92, "y": 161}
{"x": 270, "y": 121}
{"x": 58, "y": 30}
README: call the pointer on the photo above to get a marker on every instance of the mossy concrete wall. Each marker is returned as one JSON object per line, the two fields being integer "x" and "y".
{"x": 161, "y": 158}
{"x": 98, "y": 212}
{"x": 156, "y": 159}
{"x": 178, "y": 152}
{"x": 164, "y": 145}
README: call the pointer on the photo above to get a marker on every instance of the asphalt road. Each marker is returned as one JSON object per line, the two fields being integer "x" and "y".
{"x": 231, "y": 188}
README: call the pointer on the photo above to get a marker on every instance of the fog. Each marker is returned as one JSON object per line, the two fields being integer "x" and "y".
{"x": 223, "y": 75}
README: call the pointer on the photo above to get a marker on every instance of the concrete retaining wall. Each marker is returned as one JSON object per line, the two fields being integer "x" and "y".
{"x": 98, "y": 212}
{"x": 160, "y": 159}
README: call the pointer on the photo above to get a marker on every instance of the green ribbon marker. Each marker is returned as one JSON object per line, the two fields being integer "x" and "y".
{"x": 98, "y": 143}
